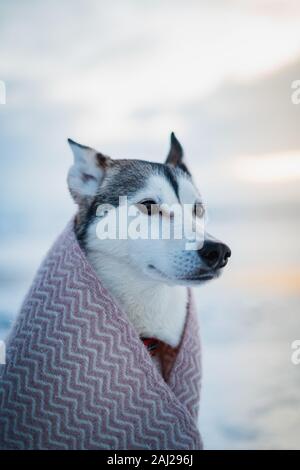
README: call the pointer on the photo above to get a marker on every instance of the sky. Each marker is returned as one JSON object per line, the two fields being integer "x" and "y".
{"x": 121, "y": 75}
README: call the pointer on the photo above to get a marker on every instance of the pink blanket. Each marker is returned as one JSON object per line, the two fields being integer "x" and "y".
{"x": 77, "y": 376}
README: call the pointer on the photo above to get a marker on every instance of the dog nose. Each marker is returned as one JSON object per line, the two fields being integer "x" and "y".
{"x": 215, "y": 254}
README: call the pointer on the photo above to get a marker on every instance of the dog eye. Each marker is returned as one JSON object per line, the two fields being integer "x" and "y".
{"x": 145, "y": 206}
{"x": 198, "y": 210}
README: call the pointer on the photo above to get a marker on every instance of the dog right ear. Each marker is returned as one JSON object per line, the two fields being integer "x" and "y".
{"x": 87, "y": 172}
{"x": 175, "y": 156}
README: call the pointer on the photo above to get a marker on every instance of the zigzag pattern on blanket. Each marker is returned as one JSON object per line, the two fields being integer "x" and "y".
{"x": 77, "y": 375}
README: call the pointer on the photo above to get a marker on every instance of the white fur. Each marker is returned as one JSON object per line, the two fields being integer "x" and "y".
{"x": 154, "y": 309}
{"x": 154, "y": 302}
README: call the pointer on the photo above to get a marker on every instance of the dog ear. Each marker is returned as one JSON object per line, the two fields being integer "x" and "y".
{"x": 176, "y": 156}
{"x": 87, "y": 172}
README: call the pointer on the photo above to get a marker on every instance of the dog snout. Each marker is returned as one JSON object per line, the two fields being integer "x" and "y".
{"x": 215, "y": 254}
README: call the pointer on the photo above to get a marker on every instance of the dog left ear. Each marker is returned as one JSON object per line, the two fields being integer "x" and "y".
{"x": 87, "y": 172}
{"x": 176, "y": 156}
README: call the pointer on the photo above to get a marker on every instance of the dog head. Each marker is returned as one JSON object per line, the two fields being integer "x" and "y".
{"x": 155, "y": 191}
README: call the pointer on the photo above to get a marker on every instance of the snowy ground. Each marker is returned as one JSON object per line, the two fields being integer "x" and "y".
{"x": 249, "y": 319}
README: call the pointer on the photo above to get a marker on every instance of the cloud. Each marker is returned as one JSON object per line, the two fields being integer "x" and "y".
{"x": 106, "y": 61}
{"x": 120, "y": 76}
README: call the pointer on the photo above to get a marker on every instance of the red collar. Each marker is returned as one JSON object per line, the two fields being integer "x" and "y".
{"x": 151, "y": 344}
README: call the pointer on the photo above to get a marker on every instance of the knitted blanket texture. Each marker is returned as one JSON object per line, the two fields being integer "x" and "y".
{"x": 77, "y": 375}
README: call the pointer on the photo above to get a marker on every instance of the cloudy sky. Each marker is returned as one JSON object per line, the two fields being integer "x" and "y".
{"x": 121, "y": 75}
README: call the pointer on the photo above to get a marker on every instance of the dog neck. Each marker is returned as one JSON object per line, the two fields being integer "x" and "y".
{"x": 154, "y": 309}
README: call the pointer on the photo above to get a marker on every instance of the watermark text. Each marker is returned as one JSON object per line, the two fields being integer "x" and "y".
{"x": 295, "y": 356}
{"x": 2, "y": 92}
{"x": 2, "y": 352}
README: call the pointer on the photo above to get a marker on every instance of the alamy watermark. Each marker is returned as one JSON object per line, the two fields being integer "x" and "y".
{"x": 147, "y": 220}
{"x": 2, "y": 92}
{"x": 295, "y": 96}
{"x": 2, "y": 352}
{"x": 295, "y": 356}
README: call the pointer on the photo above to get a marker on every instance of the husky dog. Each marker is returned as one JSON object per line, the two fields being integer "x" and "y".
{"x": 148, "y": 278}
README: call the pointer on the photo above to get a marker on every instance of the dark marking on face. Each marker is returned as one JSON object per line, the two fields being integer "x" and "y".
{"x": 184, "y": 168}
{"x": 124, "y": 178}
{"x": 103, "y": 161}
{"x": 171, "y": 176}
